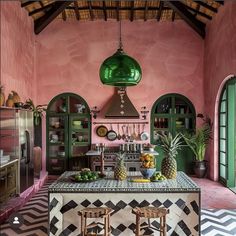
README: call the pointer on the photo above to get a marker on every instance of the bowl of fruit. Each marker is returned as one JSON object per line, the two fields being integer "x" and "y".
{"x": 158, "y": 177}
{"x": 147, "y": 172}
{"x": 85, "y": 175}
{"x": 147, "y": 167}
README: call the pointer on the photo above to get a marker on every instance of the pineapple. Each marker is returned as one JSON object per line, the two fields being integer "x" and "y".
{"x": 170, "y": 146}
{"x": 120, "y": 172}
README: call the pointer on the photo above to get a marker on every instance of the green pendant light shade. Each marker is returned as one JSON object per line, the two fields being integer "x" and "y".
{"x": 120, "y": 70}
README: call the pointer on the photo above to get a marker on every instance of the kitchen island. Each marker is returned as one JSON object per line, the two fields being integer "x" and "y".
{"x": 181, "y": 196}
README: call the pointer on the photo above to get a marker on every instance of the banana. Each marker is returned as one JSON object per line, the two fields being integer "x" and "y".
{"x": 140, "y": 180}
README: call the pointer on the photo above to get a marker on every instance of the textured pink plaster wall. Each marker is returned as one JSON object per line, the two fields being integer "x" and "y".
{"x": 70, "y": 53}
{"x": 17, "y": 50}
{"x": 220, "y": 62}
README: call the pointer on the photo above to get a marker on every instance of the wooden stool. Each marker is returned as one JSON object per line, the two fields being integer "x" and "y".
{"x": 98, "y": 212}
{"x": 151, "y": 212}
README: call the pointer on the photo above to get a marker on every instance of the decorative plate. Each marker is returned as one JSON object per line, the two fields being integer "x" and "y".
{"x": 157, "y": 180}
{"x": 101, "y": 131}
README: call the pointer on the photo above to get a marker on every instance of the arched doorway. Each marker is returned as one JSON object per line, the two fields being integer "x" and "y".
{"x": 227, "y": 134}
{"x": 173, "y": 113}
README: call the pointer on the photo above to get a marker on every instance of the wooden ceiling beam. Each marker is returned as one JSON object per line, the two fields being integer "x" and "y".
{"x": 173, "y": 15}
{"x": 118, "y": 10}
{"x": 76, "y": 10}
{"x": 220, "y": 2}
{"x": 64, "y": 15}
{"x": 46, "y": 19}
{"x": 161, "y": 5}
{"x": 41, "y": 9}
{"x": 145, "y": 10}
{"x": 205, "y": 5}
{"x": 104, "y": 10}
{"x": 199, "y": 12}
{"x": 132, "y": 11}
{"x": 90, "y": 10}
{"x": 27, "y": 3}
{"x": 182, "y": 11}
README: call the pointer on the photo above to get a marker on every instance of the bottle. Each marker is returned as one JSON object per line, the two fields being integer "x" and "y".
{"x": 156, "y": 123}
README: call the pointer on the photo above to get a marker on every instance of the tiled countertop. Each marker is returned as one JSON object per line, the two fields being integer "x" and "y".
{"x": 12, "y": 160}
{"x": 181, "y": 184}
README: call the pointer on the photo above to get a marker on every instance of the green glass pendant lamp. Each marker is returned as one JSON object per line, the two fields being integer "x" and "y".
{"x": 120, "y": 70}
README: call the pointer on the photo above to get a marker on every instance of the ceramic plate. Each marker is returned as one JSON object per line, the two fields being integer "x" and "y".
{"x": 144, "y": 136}
{"x": 72, "y": 178}
{"x": 101, "y": 131}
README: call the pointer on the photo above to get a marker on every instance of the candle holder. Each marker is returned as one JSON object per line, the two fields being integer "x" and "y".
{"x": 94, "y": 111}
{"x": 144, "y": 112}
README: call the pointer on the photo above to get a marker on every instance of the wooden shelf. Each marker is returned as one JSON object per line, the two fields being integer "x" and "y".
{"x": 80, "y": 144}
{"x": 79, "y": 129}
{"x": 56, "y": 143}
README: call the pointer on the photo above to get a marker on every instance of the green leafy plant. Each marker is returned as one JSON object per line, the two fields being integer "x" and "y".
{"x": 37, "y": 110}
{"x": 198, "y": 141}
{"x": 170, "y": 145}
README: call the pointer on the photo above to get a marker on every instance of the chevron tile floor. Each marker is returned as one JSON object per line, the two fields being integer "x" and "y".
{"x": 214, "y": 222}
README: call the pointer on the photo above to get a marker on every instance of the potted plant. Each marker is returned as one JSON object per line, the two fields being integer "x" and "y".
{"x": 197, "y": 142}
{"x": 170, "y": 146}
{"x": 37, "y": 110}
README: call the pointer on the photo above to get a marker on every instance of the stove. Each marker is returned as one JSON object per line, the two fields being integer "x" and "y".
{"x": 131, "y": 160}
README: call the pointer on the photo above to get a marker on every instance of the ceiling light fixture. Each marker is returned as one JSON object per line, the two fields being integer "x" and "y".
{"x": 120, "y": 70}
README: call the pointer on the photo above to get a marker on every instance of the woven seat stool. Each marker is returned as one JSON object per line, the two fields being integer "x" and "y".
{"x": 151, "y": 212}
{"x": 98, "y": 212}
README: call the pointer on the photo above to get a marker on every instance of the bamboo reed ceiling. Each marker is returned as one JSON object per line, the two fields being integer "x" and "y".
{"x": 195, "y": 13}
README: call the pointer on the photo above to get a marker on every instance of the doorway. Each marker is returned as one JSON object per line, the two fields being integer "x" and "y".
{"x": 227, "y": 135}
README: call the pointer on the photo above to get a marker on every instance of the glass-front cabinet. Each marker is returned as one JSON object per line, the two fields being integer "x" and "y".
{"x": 68, "y": 133}
{"x": 173, "y": 113}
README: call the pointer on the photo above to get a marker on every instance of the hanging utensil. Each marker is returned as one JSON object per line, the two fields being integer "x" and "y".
{"x": 123, "y": 130}
{"x": 139, "y": 134}
{"x": 111, "y": 134}
{"x": 127, "y": 134}
{"x": 131, "y": 134}
{"x": 144, "y": 135}
{"x": 118, "y": 136}
{"x": 134, "y": 134}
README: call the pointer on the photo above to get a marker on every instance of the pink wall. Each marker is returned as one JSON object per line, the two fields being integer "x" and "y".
{"x": 17, "y": 50}
{"x": 70, "y": 53}
{"x": 220, "y": 62}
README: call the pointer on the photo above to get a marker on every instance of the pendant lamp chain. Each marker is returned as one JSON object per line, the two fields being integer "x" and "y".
{"x": 120, "y": 40}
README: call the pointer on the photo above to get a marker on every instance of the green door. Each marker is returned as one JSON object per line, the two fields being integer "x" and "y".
{"x": 227, "y": 134}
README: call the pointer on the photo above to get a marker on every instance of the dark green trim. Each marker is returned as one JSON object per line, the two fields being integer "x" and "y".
{"x": 230, "y": 152}
{"x": 66, "y": 95}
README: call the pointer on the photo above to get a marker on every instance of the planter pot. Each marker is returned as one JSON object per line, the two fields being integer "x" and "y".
{"x": 200, "y": 168}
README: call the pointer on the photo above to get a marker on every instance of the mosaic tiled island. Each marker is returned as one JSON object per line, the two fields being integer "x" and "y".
{"x": 181, "y": 196}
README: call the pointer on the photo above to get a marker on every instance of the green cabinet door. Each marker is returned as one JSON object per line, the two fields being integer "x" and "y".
{"x": 227, "y": 134}
{"x": 68, "y": 133}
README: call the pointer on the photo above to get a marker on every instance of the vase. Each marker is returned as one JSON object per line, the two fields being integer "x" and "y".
{"x": 200, "y": 168}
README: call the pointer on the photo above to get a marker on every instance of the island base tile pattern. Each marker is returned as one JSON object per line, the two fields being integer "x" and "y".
{"x": 182, "y": 220}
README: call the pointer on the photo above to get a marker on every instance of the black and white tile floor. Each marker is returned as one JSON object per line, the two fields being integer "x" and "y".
{"x": 35, "y": 213}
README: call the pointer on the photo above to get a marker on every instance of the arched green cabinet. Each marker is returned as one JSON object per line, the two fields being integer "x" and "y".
{"x": 173, "y": 113}
{"x": 68, "y": 133}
